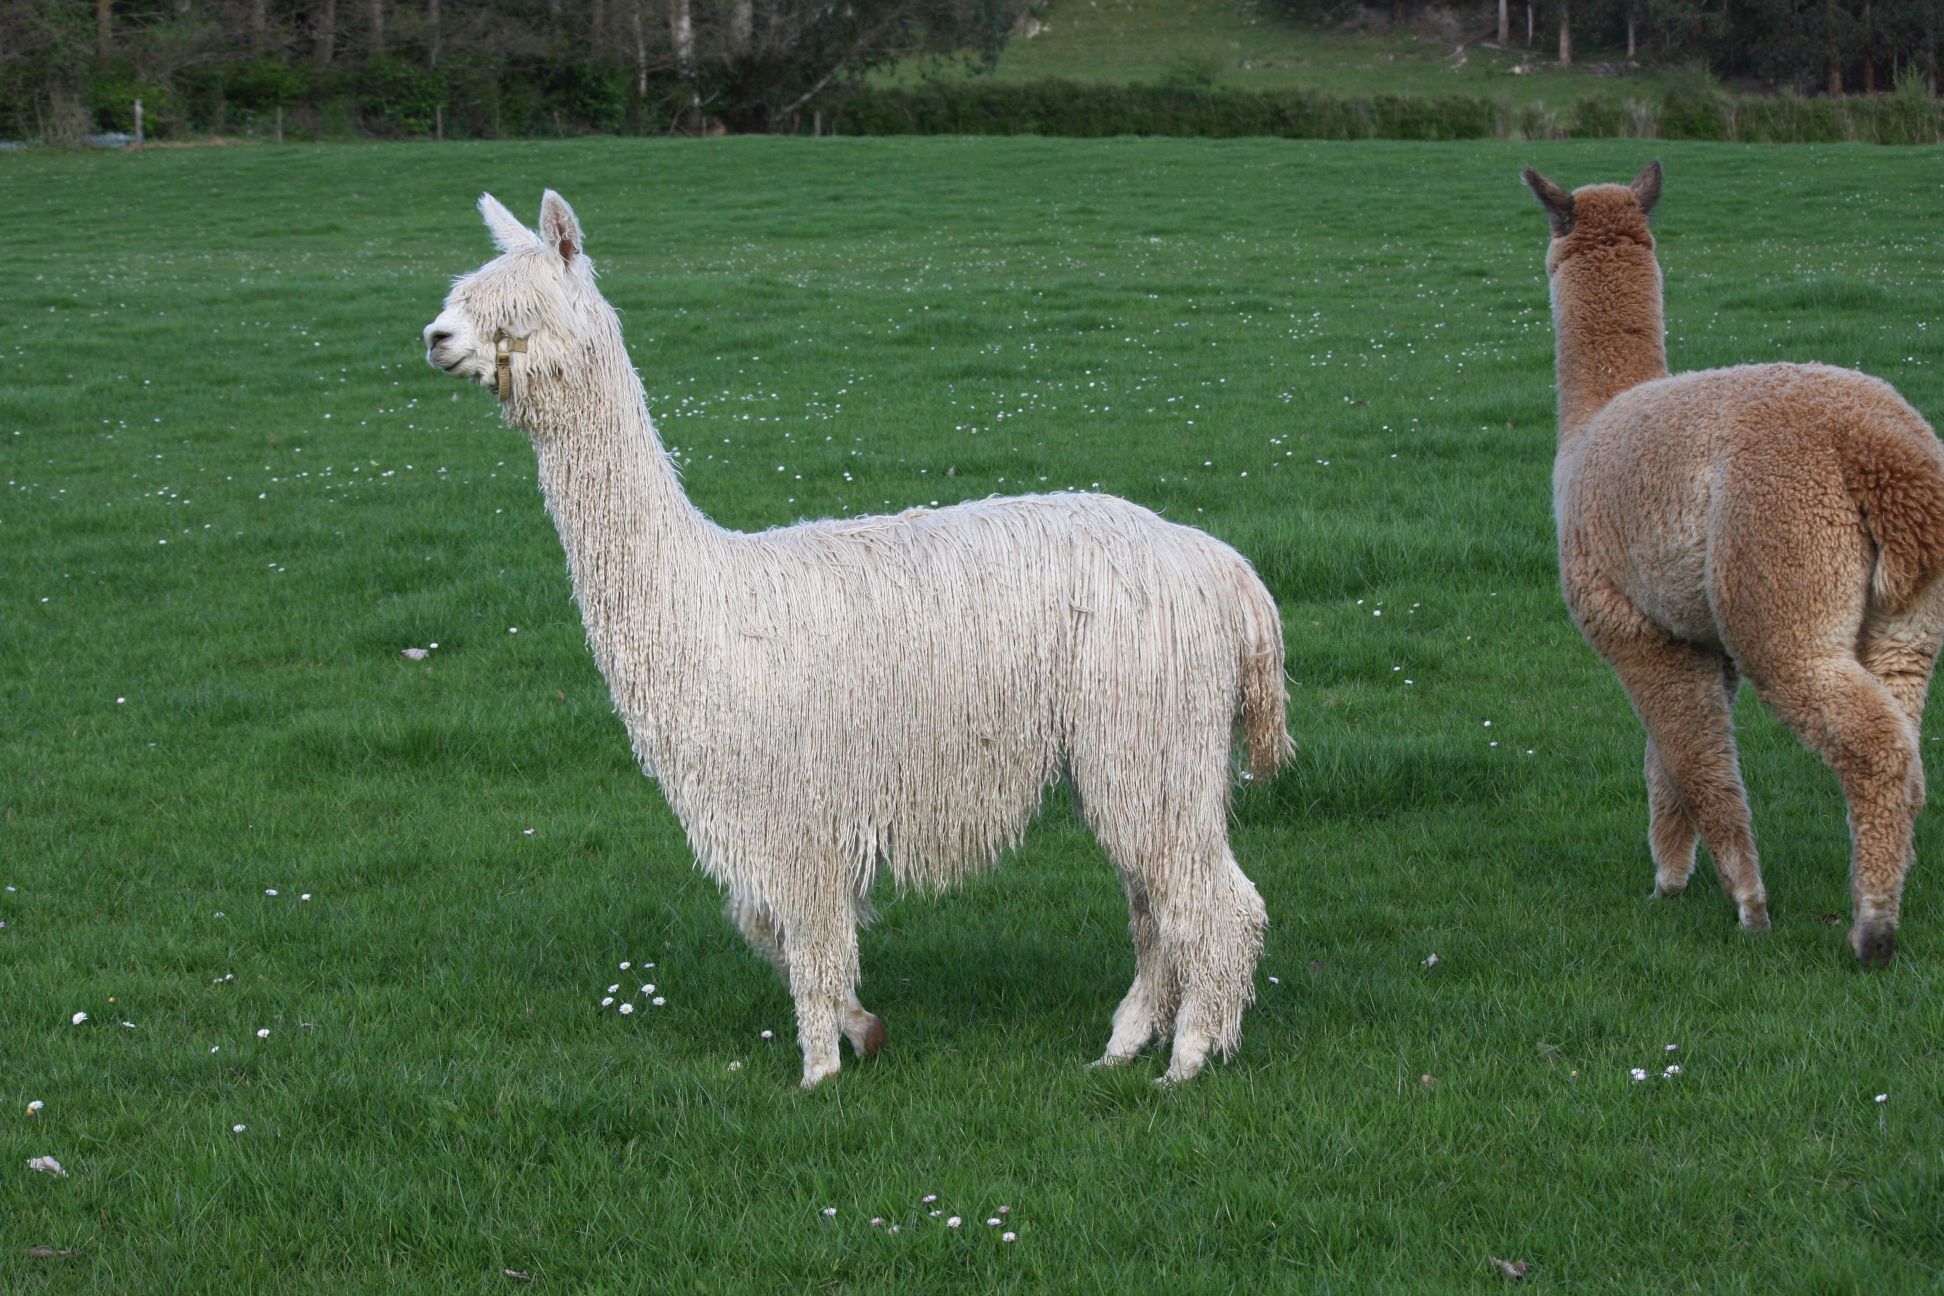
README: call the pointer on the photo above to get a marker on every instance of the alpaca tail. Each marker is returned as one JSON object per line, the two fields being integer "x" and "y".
{"x": 1898, "y": 483}
{"x": 1264, "y": 696}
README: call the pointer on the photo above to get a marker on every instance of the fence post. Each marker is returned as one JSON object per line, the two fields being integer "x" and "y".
{"x": 138, "y": 123}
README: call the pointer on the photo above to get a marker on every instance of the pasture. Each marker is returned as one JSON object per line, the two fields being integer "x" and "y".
{"x": 234, "y": 493}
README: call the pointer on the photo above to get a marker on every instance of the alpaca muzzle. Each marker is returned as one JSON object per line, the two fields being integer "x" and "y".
{"x": 503, "y": 349}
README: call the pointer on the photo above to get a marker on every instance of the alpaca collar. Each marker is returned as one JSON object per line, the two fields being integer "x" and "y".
{"x": 503, "y": 349}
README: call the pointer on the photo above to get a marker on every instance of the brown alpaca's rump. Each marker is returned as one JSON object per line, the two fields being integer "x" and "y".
{"x": 1783, "y": 522}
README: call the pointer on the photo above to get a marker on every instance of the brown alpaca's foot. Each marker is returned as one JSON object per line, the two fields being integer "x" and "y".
{"x": 1668, "y": 890}
{"x": 1754, "y": 917}
{"x": 1875, "y": 944}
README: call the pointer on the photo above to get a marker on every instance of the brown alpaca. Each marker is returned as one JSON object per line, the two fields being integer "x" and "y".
{"x": 1780, "y": 522}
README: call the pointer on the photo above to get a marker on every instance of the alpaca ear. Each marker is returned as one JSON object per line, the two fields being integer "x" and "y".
{"x": 1646, "y": 187}
{"x": 508, "y": 233}
{"x": 1557, "y": 202}
{"x": 558, "y": 228}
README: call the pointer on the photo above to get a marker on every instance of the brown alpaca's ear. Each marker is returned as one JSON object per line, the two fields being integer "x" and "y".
{"x": 1557, "y": 202}
{"x": 1646, "y": 187}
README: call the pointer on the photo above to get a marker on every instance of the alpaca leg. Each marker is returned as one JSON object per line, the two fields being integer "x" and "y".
{"x": 1213, "y": 922}
{"x": 758, "y": 926}
{"x": 1150, "y": 1002}
{"x": 1671, "y": 829}
{"x": 1679, "y": 692}
{"x": 864, "y": 1029}
{"x": 820, "y": 953}
{"x": 1858, "y": 726}
{"x": 1901, "y": 651}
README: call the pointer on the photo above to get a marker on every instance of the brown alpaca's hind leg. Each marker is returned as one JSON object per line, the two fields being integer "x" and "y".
{"x": 1901, "y": 651}
{"x": 1672, "y": 829}
{"x": 1682, "y": 694}
{"x": 1858, "y": 726}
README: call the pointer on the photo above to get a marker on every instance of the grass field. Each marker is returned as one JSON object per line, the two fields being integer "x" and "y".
{"x": 234, "y": 493}
{"x": 1244, "y": 44}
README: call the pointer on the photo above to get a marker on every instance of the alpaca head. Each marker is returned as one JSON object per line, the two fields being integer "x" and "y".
{"x": 526, "y": 312}
{"x": 1597, "y": 216}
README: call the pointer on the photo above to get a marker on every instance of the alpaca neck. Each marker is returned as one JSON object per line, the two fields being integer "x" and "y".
{"x": 626, "y": 525}
{"x": 1607, "y": 321}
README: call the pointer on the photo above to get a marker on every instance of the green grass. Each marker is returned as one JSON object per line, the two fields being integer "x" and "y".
{"x": 233, "y": 493}
{"x": 1243, "y": 44}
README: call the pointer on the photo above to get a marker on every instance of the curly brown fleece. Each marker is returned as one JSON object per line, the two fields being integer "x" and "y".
{"x": 1783, "y": 522}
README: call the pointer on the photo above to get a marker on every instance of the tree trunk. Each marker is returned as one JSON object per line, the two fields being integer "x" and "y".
{"x": 596, "y": 26}
{"x": 681, "y": 31}
{"x": 104, "y": 27}
{"x": 1505, "y": 23}
{"x": 259, "y": 29}
{"x": 323, "y": 32}
{"x": 375, "y": 27}
{"x": 1565, "y": 34}
{"x": 641, "y": 50}
{"x": 742, "y": 25}
{"x": 1528, "y": 24}
{"x": 434, "y": 37}
{"x": 1631, "y": 46}
{"x": 1397, "y": 13}
{"x": 1835, "y": 77}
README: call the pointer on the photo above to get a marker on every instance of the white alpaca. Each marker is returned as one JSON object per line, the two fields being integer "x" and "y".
{"x": 821, "y": 700}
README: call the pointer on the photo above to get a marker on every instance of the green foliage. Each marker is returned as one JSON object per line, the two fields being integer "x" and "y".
{"x": 1694, "y": 113}
{"x": 1693, "y": 109}
{"x": 1081, "y": 110}
{"x": 398, "y": 96}
{"x": 111, "y": 101}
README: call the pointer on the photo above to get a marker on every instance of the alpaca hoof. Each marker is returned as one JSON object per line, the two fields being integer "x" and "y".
{"x": 815, "y": 1073}
{"x": 1178, "y": 1073}
{"x": 1107, "y": 1061}
{"x": 1754, "y": 918}
{"x": 869, "y": 1037}
{"x": 1874, "y": 946}
{"x": 1668, "y": 890}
